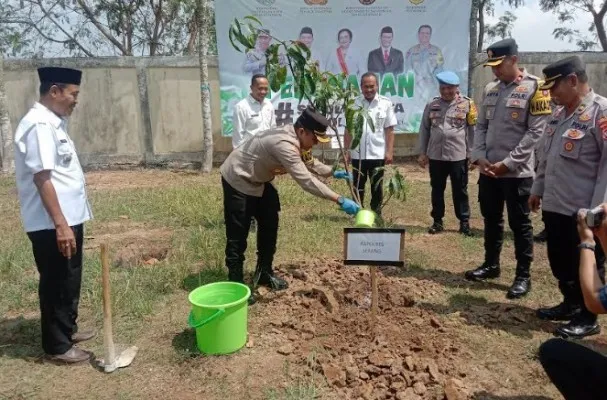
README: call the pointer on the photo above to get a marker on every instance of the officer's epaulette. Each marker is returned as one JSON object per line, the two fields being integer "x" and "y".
{"x": 466, "y": 97}
{"x": 601, "y": 101}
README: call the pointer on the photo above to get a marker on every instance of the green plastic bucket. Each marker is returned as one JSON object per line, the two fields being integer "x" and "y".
{"x": 365, "y": 219}
{"x": 219, "y": 315}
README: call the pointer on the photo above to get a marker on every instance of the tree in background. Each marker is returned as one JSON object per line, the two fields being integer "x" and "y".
{"x": 566, "y": 12}
{"x": 503, "y": 28}
{"x": 43, "y": 28}
{"x": 487, "y": 8}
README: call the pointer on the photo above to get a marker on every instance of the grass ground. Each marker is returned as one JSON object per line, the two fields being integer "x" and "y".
{"x": 166, "y": 231}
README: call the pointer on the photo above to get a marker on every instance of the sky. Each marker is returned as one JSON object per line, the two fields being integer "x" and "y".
{"x": 533, "y": 28}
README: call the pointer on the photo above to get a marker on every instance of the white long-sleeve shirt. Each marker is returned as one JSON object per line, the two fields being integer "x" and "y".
{"x": 251, "y": 117}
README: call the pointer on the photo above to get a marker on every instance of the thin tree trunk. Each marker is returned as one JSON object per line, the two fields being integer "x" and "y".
{"x": 205, "y": 92}
{"x": 480, "y": 7}
{"x": 600, "y": 31}
{"x": 6, "y": 144}
{"x": 473, "y": 48}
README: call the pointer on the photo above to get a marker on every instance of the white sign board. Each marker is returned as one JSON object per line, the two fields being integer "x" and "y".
{"x": 374, "y": 246}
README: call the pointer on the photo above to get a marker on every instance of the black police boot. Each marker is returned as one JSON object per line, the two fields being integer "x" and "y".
{"x": 562, "y": 312}
{"x": 265, "y": 276}
{"x": 540, "y": 237}
{"x": 578, "y": 328}
{"x": 520, "y": 287}
{"x": 436, "y": 227}
{"x": 464, "y": 229}
{"x": 272, "y": 281}
{"x": 483, "y": 272}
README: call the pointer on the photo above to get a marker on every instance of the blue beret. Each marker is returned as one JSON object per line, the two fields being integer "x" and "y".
{"x": 448, "y": 78}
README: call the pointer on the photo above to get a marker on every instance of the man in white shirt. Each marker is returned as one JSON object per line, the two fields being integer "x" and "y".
{"x": 253, "y": 114}
{"x": 54, "y": 207}
{"x": 376, "y": 148}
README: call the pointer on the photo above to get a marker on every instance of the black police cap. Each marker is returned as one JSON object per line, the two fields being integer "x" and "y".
{"x": 315, "y": 122}
{"x": 60, "y": 75}
{"x": 560, "y": 69}
{"x": 498, "y": 51}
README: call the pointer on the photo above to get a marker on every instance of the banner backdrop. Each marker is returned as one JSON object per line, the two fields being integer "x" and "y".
{"x": 405, "y": 42}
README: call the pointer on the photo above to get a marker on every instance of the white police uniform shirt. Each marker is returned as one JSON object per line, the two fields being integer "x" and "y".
{"x": 373, "y": 143}
{"x": 42, "y": 143}
{"x": 251, "y": 117}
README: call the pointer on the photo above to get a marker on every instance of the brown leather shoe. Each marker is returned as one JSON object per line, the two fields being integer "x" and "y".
{"x": 84, "y": 335}
{"x": 72, "y": 356}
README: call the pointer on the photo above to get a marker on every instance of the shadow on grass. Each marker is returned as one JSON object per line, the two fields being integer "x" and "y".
{"x": 445, "y": 278}
{"x": 515, "y": 319}
{"x": 488, "y": 396}
{"x": 477, "y": 233}
{"x": 184, "y": 343}
{"x": 203, "y": 277}
{"x": 20, "y": 338}
{"x": 315, "y": 217}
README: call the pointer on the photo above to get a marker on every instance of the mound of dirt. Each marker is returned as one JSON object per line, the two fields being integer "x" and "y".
{"x": 405, "y": 354}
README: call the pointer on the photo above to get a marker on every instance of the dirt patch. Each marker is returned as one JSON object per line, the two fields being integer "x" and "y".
{"x": 141, "y": 178}
{"x": 407, "y": 353}
{"x": 135, "y": 246}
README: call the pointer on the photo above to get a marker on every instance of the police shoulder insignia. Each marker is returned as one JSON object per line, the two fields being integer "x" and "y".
{"x": 540, "y": 102}
{"x": 472, "y": 114}
{"x": 603, "y": 126}
{"x": 306, "y": 157}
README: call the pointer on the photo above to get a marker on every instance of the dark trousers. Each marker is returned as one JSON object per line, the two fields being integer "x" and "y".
{"x": 564, "y": 258}
{"x": 365, "y": 169}
{"x": 576, "y": 371}
{"x": 58, "y": 290}
{"x": 238, "y": 208}
{"x": 514, "y": 192}
{"x": 457, "y": 171}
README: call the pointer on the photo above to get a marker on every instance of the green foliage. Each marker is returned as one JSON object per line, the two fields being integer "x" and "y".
{"x": 566, "y": 10}
{"x": 330, "y": 94}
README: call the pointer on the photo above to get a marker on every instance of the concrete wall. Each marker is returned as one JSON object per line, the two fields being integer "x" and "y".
{"x": 137, "y": 110}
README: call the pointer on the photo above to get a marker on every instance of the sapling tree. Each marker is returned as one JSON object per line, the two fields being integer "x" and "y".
{"x": 332, "y": 95}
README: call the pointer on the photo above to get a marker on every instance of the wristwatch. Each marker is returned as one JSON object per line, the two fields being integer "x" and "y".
{"x": 340, "y": 200}
{"x": 586, "y": 245}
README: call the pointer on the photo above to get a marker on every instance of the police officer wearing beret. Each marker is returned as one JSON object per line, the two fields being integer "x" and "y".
{"x": 572, "y": 174}
{"x": 511, "y": 119}
{"x": 54, "y": 207}
{"x": 445, "y": 141}
{"x": 247, "y": 192}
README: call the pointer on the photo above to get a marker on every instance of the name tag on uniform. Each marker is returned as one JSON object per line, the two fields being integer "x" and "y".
{"x": 63, "y": 141}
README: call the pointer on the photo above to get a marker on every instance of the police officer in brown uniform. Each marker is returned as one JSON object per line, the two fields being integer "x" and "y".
{"x": 247, "y": 192}
{"x": 511, "y": 119}
{"x": 445, "y": 141}
{"x": 572, "y": 174}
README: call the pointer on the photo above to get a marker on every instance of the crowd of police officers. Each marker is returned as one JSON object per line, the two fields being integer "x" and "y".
{"x": 536, "y": 143}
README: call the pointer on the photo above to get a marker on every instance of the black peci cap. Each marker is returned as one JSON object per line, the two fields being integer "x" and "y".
{"x": 560, "y": 69}
{"x": 60, "y": 75}
{"x": 306, "y": 29}
{"x": 500, "y": 50}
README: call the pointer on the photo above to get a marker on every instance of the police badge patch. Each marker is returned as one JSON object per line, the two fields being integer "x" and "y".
{"x": 603, "y": 127}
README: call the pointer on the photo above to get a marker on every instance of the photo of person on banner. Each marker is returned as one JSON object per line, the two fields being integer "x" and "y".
{"x": 306, "y": 36}
{"x": 345, "y": 59}
{"x": 255, "y": 59}
{"x": 386, "y": 59}
{"x": 425, "y": 60}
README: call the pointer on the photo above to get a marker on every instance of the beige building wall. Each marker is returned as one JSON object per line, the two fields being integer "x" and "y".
{"x": 136, "y": 111}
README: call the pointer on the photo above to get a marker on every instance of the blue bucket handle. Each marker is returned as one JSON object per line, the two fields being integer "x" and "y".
{"x": 195, "y": 325}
